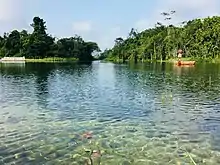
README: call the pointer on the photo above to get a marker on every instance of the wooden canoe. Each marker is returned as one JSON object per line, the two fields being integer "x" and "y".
{"x": 185, "y": 63}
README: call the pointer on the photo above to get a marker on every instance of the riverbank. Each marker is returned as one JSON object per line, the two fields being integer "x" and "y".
{"x": 52, "y": 59}
{"x": 198, "y": 60}
{"x": 49, "y": 60}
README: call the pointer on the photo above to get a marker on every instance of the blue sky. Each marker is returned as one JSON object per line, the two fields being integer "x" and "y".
{"x": 99, "y": 20}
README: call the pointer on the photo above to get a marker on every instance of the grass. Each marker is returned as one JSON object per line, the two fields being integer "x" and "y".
{"x": 52, "y": 59}
{"x": 207, "y": 60}
{"x": 121, "y": 61}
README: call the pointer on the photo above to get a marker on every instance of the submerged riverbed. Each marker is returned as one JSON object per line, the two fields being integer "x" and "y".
{"x": 138, "y": 114}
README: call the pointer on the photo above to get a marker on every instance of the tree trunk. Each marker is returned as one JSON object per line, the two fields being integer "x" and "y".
{"x": 135, "y": 58}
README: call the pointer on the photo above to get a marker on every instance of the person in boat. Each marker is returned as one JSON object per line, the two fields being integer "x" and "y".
{"x": 179, "y": 54}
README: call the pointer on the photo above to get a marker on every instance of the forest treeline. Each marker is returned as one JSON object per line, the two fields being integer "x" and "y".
{"x": 39, "y": 44}
{"x": 198, "y": 38}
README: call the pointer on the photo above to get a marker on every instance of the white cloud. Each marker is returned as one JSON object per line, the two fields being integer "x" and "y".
{"x": 193, "y": 4}
{"x": 109, "y": 35}
{"x": 11, "y": 10}
{"x": 189, "y": 9}
{"x": 141, "y": 24}
{"x": 82, "y": 27}
{"x": 185, "y": 10}
{"x": 104, "y": 36}
{"x": 12, "y": 15}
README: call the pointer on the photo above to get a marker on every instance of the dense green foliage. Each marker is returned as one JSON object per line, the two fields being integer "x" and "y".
{"x": 39, "y": 44}
{"x": 198, "y": 38}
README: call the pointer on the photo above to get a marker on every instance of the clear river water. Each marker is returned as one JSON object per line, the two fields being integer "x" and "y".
{"x": 109, "y": 114}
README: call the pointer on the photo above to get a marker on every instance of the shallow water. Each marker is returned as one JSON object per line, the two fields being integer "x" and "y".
{"x": 138, "y": 114}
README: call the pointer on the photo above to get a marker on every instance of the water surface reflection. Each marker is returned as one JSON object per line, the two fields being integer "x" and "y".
{"x": 139, "y": 114}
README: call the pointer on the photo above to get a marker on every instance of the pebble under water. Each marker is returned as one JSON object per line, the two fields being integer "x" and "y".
{"x": 109, "y": 114}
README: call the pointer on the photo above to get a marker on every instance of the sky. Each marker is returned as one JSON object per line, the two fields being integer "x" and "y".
{"x": 100, "y": 21}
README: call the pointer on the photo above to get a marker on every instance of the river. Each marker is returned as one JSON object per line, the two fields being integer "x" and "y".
{"x": 151, "y": 113}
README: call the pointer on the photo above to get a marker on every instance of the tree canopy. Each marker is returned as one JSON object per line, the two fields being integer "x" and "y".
{"x": 39, "y": 44}
{"x": 198, "y": 38}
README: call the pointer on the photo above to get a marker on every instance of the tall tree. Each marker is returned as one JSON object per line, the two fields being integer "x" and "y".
{"x": 199, "y": 38}
{"x": 39, "y": 44}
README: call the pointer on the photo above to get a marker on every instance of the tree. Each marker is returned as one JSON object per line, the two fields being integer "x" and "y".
{"x": 39, "y": 44}
{"x": 13, "y": 44}
{"x": 198, "y": 38}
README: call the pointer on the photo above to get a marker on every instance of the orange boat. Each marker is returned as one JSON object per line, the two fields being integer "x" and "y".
{"x": 185, "y": 63}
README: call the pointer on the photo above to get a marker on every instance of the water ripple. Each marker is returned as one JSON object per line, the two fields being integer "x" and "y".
{"x": 138, "y": 114}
